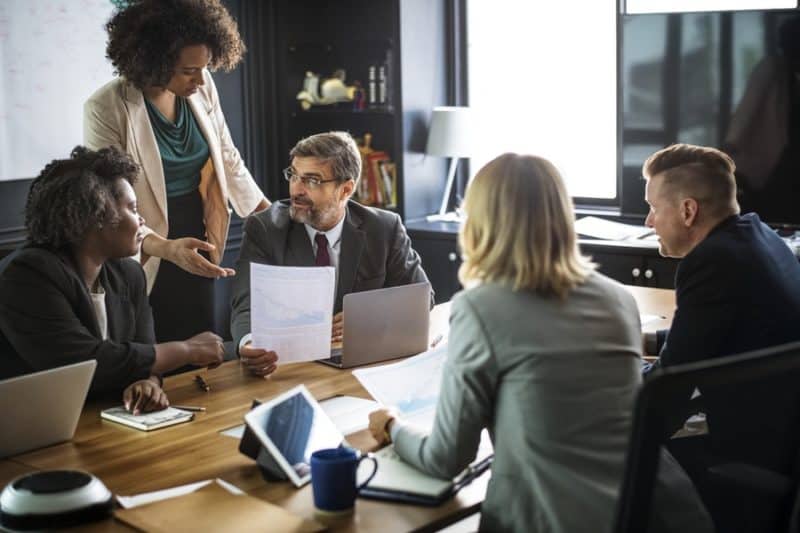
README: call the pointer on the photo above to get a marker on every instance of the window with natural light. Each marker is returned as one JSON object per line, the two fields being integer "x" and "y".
{"x": 678, "y": 6}
{"x": 542, "y": 80}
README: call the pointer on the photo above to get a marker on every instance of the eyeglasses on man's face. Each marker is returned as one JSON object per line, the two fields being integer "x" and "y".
{"x": 311, "y": 182}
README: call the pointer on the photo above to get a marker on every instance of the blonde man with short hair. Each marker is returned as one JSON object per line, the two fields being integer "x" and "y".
{"x": 737, "y": 289}
{"x": 690, "y": 186}
{"x": 544, "y": 352}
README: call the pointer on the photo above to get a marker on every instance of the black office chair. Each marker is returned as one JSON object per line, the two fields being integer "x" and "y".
{"x": 666, "y": 389}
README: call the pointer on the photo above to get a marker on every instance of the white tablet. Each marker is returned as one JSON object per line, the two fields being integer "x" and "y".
{"x": 291, "y": 427}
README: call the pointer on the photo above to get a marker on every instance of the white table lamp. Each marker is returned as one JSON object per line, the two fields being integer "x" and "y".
{"x": 450, "y": 135}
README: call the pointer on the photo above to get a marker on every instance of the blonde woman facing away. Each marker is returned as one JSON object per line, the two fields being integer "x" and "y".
{"x": 544, "y": 352}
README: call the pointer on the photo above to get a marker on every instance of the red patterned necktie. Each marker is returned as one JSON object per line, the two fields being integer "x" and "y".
{"x": 323, "y": 259}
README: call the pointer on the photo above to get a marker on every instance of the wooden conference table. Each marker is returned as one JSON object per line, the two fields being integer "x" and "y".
{"x": 131, "y": 462}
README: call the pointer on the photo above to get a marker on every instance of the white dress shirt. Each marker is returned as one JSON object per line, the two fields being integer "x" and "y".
{"x": 99, "y": 303}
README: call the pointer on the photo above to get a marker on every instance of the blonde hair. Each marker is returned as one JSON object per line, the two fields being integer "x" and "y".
{"x": 519, "y": 229}
{"x": 704, "y": 173}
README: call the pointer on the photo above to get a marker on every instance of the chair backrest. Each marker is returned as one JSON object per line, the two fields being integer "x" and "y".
{"x": 663, "y": 392}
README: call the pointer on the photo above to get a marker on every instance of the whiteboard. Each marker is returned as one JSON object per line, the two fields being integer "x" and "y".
{"x": 52, "y": 58}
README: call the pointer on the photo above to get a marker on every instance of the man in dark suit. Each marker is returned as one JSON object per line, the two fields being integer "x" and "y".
{"x": 319, "y": 225}
{"x": 737, "y": 289}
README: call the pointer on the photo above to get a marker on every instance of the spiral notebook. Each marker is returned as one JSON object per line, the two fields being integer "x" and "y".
{"x": 147, "y": 421}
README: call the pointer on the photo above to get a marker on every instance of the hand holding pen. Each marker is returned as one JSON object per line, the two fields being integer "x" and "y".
{"x": 144, "y": 396}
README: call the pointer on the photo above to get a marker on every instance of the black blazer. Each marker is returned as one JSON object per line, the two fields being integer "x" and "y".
{"x": 738, "y": 290}
{"x": 47, "y": 319}
{"x": 375, "y": 253}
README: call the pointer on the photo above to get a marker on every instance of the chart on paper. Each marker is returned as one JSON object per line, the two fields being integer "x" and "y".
{"x": 411, "y": 386}
{"x": 292, "y": 310}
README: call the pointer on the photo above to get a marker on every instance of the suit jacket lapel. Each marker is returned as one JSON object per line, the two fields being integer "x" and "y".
{"x": 298, "y": 247}
{"x": 349, "y": 257}
{"x": 84, "y": 307}
{"x": 143, "y": 141}
{"x": 116, "y": 291}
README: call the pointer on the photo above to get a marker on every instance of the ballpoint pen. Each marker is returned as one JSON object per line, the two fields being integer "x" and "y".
{"x": 473, "y": 471}
{"x": 436, "y": 340}
{"x": 202, "y": 383}
{"x": 189, "y": 408}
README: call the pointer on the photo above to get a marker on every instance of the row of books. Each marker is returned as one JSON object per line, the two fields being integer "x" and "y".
{"x": 378, "y": 184}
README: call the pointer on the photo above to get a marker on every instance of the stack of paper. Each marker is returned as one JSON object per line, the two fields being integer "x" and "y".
{"x": 600, "y": 228}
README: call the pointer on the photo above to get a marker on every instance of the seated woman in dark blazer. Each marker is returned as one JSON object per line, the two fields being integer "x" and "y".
{"x": 71, "y": 293}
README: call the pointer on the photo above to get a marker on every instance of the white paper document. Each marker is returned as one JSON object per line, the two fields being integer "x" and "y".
{"x": 349, "y": 414}
{"x": 600, "y": 228}
{"x": 236, "y": 432}
{"x": 410, "y": 386}
{"x": 646, "y": 319}
{"x": 129, "y": 502}
{"x": 291, "y": 310}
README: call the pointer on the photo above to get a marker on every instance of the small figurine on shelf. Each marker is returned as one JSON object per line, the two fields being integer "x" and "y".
{"x": 309, "y": 95}
{"x": 332, "y": 90}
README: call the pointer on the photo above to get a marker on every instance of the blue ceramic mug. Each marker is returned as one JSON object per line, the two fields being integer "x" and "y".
{"x": 333, "y": 478}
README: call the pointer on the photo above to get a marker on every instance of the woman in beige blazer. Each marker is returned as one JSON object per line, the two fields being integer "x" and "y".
{"x": 164, "y": 110}
{"x": 545, "y": 353}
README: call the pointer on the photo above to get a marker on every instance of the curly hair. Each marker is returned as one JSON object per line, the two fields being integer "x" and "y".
{"x": 72, "y": 195}
{"x": 145, "y": 38}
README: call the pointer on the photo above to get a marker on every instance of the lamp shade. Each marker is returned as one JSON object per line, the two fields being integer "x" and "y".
{"x": 451, "y": 132}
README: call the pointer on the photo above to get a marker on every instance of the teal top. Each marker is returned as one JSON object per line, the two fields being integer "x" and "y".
{"x": 183, "y": 148}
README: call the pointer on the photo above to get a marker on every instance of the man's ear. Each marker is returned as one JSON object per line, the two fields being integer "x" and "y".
{"x": 689, "y": 209}
{"x": 346, "y": 189}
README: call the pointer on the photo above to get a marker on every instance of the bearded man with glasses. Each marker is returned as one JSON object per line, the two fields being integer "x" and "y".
{"x": 319, "y": 225}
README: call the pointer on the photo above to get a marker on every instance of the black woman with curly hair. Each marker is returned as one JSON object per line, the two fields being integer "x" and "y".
{"x": 72, "y": 292}
{"x": 164, "y": 110}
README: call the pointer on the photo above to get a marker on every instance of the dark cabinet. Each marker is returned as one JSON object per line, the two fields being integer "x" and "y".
{"x": 635, "y": 268}
{"x": 436, "y": 243}
{"x": 629, "y": 263}
{"x": 441, "y": 260}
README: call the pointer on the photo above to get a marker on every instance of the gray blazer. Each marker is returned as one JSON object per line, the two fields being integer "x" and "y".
{"x": 554, "y": 382}
{"x": 375, "y": 253}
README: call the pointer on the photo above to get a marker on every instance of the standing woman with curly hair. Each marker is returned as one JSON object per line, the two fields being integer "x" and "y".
{"x": 164, "y": 110}
{"x": 72, "y": 293}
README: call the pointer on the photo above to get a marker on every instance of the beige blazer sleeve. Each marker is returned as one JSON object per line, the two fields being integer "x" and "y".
{"x": 101, "y": 129}
{"x": 243, "y": 193}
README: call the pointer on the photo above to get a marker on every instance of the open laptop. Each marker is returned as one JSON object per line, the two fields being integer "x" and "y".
{"x": 383, "y": 324}
{"x": 44, "y": 407}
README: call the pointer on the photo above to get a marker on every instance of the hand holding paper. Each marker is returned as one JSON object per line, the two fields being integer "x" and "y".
{"x": 291, "y": 312}
{"x": 259, "y": 361}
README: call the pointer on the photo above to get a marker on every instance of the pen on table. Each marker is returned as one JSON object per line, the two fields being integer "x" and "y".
{"x": 202, "y": 383}
{"x": 190, "y": 408}
{"x": 437, "y": 340}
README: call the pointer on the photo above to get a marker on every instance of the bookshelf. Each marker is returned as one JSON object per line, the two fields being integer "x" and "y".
{"x": 394, "y": 51}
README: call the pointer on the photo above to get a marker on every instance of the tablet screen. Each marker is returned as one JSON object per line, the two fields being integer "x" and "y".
{"x": 297, "y": 426}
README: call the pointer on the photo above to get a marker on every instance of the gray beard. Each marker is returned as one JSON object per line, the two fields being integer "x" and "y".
{"x": 313, "y": 217}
